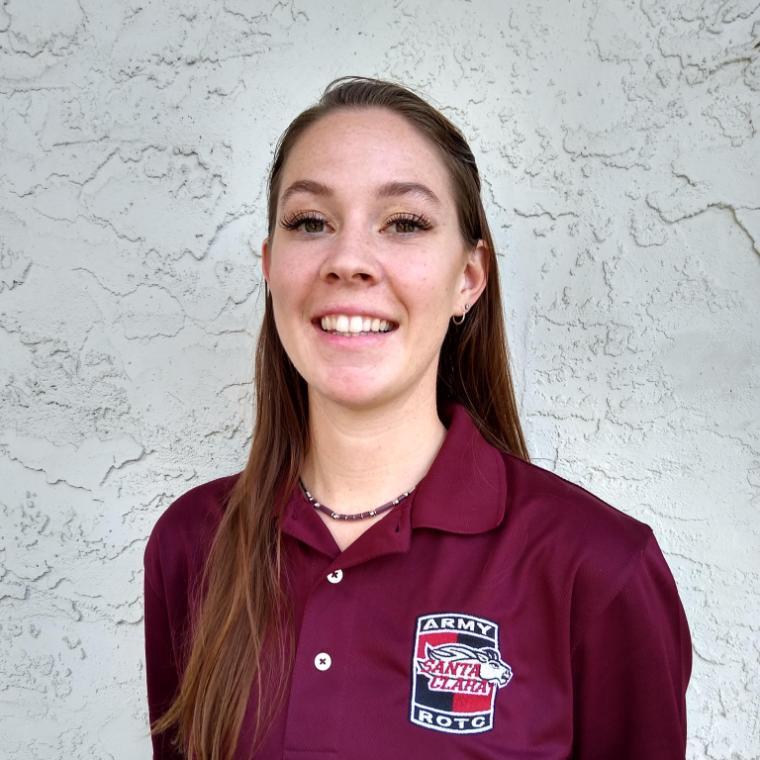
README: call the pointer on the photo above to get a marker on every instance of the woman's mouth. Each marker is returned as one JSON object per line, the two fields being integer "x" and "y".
{"x": 354, "y": 325}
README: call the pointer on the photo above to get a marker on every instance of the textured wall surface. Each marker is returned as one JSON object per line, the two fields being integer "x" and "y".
{"x": 620, "y": 150}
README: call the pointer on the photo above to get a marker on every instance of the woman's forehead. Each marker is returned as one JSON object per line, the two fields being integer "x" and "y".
{"x": 370, "y": 148}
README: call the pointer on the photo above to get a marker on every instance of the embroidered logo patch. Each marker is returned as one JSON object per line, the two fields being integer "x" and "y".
{"x": 456, "y": 671}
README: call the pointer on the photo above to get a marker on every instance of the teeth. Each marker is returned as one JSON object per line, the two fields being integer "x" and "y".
{"x": 354, "y": 325}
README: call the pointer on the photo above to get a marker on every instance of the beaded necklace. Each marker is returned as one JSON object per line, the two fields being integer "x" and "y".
{"x": 361, "y": 515}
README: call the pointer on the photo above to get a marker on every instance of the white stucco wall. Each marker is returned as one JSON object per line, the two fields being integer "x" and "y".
{"x": 620, "y": 151}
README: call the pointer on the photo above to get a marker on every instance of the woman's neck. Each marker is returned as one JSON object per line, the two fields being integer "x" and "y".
{"x": 358, "y": 460}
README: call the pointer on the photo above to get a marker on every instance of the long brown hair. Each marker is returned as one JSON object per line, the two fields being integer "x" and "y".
{"x": 241, "y": 603}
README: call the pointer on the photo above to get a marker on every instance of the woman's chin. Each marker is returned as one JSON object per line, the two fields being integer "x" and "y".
{"x": 354, "y": 393}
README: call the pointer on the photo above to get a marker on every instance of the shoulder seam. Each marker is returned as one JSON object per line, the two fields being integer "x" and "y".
{"x": 625, "y": 577}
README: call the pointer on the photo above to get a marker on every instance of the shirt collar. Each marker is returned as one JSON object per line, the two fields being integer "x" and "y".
{"x": 465, "y": 489}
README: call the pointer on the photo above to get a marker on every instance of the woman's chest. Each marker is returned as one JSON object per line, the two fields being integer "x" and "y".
{"x": 427, "y": 653}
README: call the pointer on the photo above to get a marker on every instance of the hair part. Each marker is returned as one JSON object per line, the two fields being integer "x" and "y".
{"x": 242, "y": 609}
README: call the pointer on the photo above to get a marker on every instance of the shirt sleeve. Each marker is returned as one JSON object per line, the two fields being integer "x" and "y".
{"x": 631, "y": 666}
{"x": 160, "y": 665}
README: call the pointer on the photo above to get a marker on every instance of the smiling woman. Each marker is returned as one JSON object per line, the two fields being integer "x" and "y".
{"x": 453, "y": 600}
{"x": 367, "y": 230}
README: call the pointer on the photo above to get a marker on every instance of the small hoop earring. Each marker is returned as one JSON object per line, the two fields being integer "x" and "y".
{"x": 461, "y": 316}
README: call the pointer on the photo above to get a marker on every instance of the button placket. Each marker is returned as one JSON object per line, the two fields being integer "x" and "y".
{"x": 320, "y": 674}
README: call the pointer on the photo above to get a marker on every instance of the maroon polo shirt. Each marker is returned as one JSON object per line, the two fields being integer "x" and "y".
{"x": 499, "y": 612}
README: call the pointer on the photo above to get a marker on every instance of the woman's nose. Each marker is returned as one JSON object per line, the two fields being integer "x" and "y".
{"x": 350, "y": 257}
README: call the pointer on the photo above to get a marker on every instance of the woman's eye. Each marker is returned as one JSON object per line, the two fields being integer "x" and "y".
{"x": 408, "y": 224}
{"x": 312, "y": 224}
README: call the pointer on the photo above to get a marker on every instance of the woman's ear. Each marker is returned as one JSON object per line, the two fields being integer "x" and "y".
{"x": 265, "y": 258}
{"x": 475, "y": 274}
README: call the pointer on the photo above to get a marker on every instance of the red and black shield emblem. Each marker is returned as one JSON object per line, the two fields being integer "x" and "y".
{"x": 456, "y": 671}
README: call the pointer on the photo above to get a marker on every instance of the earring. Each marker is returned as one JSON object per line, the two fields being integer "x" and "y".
{"x": 461, "y": 316}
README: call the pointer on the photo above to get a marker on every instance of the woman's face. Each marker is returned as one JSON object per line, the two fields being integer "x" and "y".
{"x": 367, "y": 264}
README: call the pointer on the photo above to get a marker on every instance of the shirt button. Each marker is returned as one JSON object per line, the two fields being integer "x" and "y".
{"x": 322, "y": 661}
{"x": 336, "y": 576}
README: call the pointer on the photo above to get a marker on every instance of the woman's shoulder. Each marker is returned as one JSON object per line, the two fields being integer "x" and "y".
{"x": 542, "y": 497}
{"x": 203, "y": 502}
{"x": 582, "y": 540}
{"x": 593, "y": 554}
{"x": 182, "y": 534}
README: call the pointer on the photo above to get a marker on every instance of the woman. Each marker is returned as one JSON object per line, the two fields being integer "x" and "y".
{"x": 453, "y": 600}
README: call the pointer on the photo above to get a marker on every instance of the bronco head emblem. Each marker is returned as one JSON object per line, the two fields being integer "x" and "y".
{"x": 492, "y": 667}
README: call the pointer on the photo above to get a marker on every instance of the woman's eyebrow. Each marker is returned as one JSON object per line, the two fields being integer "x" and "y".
{"x": 393, "y": 189}
{"x": 388, "y": 190}
{"x": 306, "y": 186}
